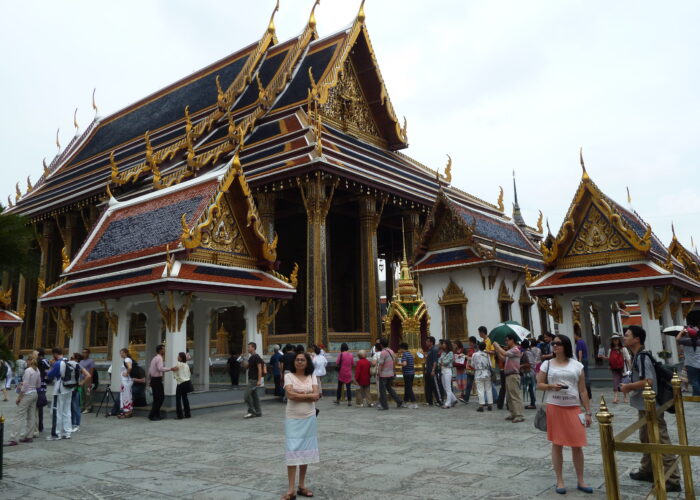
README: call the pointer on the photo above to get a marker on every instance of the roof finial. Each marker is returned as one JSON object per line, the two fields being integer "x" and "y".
{"x": 46, "y": 167}
{"x": 501, "y": 207}
{"x": 271, "y": 25}
{"x": 361, "y": 13}
{"x": 539, "y": 223}
{"x": 75, "y": 121}
{"x": 448, "y": 170}
{"x": 94, "y": 106}
{"x": 515, "y": 188}
{"x": 629, "y": 197}
{"x": 58, "y": 143}
{"x": 403, "y": 240}
{"x": 673, "y": 230}
{"x": 312, "y": 17}
{"x": 583, "y": 165}
{"x": 549, "y": 231}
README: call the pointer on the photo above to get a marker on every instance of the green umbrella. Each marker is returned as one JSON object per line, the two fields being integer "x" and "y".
{"x": 498, "y": 334}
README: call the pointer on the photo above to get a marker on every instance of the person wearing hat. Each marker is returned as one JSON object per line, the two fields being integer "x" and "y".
{"x": 688, "y": 340}
{"x": 619, "y": 362}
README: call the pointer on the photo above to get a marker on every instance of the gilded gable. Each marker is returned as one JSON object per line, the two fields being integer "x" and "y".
{"x": 449, "y": 232}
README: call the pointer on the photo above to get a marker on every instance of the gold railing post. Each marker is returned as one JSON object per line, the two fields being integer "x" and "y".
{"x": 607, "y": 449}
{"x": 653, "y": 437}
{"x": 682, "y": 435}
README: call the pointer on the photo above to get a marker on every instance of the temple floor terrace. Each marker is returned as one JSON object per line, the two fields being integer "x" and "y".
{"x": 423, "y": 453}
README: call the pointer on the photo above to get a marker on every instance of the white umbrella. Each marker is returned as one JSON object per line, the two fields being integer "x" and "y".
{"x": 673, "y": 330}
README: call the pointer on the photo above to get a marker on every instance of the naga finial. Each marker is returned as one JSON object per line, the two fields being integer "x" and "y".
{"x": 220, "y": 96}
{"x": 583, "y": 165}
{"x": 113, "y": 166}
{"x": 361, "y": 13}
{"x": 94, "y": 105}
{"x": 501, "y": 207}
{"x": 9, "y": 201}
{"x": 448, "y": 170}
{"x": 58, "y": 143}
{"x": 539, "y": 223}
{"x": 549, "y": 231}
{"x": 293, "y": 278}
{"x": 18, "y": 193}
{"x": 46, "y": 167}
{"x": 261, "y": 89}
{"x": 312, "y": 17}
{"x": 271, "y": 24}
{"x": 75, "y": 120}
{"x": 673, "y": 230}
{"x": 29, "y": 185}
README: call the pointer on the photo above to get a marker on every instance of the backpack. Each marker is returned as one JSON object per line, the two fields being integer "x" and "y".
{"x": 71, "y": 375}
{"x": 617, "y": 361}
{"x": 664, "y": 390}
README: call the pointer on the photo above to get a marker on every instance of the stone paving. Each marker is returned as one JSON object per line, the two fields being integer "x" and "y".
{"x": 423, "y": 453}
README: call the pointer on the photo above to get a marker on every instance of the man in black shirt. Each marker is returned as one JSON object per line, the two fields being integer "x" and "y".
{"x": 255, "y": 379}
{"x": 430, "y": 374}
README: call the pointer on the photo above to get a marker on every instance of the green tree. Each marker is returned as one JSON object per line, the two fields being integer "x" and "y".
{"x": 16, "y": 241}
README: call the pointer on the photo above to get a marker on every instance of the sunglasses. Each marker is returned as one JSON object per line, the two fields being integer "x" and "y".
{"x": 557, "y": 343}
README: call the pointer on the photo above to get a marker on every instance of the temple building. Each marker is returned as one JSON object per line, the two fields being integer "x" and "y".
{"x": 250, "y": 200}
{"x": 471, "y": 261}
{"x": 605, "y": 257}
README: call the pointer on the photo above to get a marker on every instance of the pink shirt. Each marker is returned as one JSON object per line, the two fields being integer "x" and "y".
{"x": 345, "y": 361}
{"x": 386, "y": 363}
{"x": 31, "y": 381}
{"x": 156, "y": 369}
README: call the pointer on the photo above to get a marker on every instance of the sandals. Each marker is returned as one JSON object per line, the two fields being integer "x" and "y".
{"x": 305, "y": 492}
{"x": 288, "y": 496}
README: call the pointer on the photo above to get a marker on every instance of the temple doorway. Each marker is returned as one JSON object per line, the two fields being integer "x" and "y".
{"x": 233, "y": 321}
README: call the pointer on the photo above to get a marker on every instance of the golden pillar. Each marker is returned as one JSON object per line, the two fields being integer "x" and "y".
{"x": 657, "y": 459}
{"x": 682, "y": 433}
{"x": 317, "y": 194}
{"x": 44, "y": 238}
{"x": 369, "y": 220}
{"x": 607, "y": 449}
{"x": 222, "y": 338}
{"x": 265, "y": 203}
{"x": 411, "y": 220}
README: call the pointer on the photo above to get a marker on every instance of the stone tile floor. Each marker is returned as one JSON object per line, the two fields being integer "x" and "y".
{"x": 423, "y": 453}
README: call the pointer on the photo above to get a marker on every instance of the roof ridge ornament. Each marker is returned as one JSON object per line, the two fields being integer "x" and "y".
{"x": 46, "y": 167}
{"x": 75, "y": 121}
{"x": 94, "y": 105}
{"x": 448, "y": 168}
{"x": 584, "y": 175}
{"x": 361, "y": 13}
{"x": 312, "y": 16}
{"x": 271, "y": 25}
{"x": 501, "y": 207}
{"x": 58, "y": 143}
{"x": 539, "y": 223}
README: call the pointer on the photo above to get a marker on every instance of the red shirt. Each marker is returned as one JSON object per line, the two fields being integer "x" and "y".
{"x": 362, "y": 372}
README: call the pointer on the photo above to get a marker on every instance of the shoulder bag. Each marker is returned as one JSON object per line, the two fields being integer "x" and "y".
{"x": 541, "y": 415}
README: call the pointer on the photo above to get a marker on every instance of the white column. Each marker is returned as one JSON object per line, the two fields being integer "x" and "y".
{"x": 119, "y": 342}
{"x": 567, "y": 310}
{"x": 202, "y": 331}
{"x": 606, "y": 322}
{"x": 650, "y": 324}
{"x": 250, "y": 313}
{"x": 587, "y": 325}
{"x": 670, "y": 342}
{"x": 153, "y": 335}
{"x": 77, "y": 340}
{"x": 175, "y": 342}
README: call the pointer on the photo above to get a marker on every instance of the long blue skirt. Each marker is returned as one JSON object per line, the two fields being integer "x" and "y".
{"x": 302, "y": 442}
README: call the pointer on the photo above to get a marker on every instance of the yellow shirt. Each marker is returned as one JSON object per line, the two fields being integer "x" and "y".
{"x": 489, "y": 347}
{"x": 183, "y": 372}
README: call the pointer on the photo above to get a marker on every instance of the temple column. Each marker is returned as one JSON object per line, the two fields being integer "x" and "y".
{"x": 317, "y": 194}
{"x": 21, "y": 308}
{"x": 566, "y": 327}
{"x": 265, "y": 202}
{"x": 76, "y": 342}
{"x": 606, "y": 323}
{"x": 587, "y": 326}
{"x": 46, "y": 235}
{"x": 667, "y": 339}
{"x": 250, "y": 315}
{"x": 411, "y": 222}
{"x": 369, "y": 220}
{"x": 153, "y": 334}
{"x": 120, "y": 341}
{"x": 174, "y": 308}
{"x": 202, "y": 329}
{"x": 649, "y": 322}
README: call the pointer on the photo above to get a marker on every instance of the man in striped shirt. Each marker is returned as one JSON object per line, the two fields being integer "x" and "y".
{"x": 409, "y": 373}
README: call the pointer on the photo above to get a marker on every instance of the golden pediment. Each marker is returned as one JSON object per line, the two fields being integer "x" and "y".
{"x": 596, "y": 235}
{"x": 452, "y": 294}
{"x": 347, "y": 106}
{"x": 449, "y": 232}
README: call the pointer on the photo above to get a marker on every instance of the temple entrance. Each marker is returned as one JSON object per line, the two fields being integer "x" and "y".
{"x": 395, "y": 333}
{"x": 233, "y": 321}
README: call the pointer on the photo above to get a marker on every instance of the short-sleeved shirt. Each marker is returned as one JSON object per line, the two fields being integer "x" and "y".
{"x": 275, "y": 361}
{"x": 582, "y": 348}
{"x": 362, "y": 372}
{"x": 691, "y": 353}
{"x": 512, "y": 362}
{"x": 320, "y": 362}
{"x": 565, "y": 375}
{"x": 300, "y": 409}
{"x": 386, "y": 363}
{"x": 88, "y": 365}
{"x": 253, "y": 363}
{"x": 431, "y": 359}
{"x": 409, "y": 369}
{"x": 344, "y": 362}
{"x": 641, "y": 363}
{"x": 489, "y": 347}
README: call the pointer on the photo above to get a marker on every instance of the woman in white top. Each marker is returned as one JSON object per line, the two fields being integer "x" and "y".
{"x": 563, "y": 379}
{"x": 300, "y": 434}
{"x": 183, "y": 377}
{"x": 126, "y": 403}
{"x": 320, "y": 362}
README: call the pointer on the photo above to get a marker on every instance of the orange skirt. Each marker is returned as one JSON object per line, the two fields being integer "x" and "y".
{"x": 564, "y": 427}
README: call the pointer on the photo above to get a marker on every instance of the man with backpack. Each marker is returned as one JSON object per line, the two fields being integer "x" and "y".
{"x": 645, "y": 369}
{"x": 66, "y": 377}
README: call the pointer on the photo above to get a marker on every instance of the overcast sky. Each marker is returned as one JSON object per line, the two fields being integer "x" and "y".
{"x": 499, "y": 85}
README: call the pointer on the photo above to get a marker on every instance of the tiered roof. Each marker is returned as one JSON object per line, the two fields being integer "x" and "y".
{"x": 458, "y": 235}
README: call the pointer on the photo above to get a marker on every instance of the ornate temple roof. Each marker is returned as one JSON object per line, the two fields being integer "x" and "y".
{"x": 9, "y": 319}
{"x": 603, "y": 245}
{"x": 458, "y": 235}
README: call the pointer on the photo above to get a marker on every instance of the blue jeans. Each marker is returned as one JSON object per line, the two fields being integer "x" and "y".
{"x": 693, "y": 379}
{"x": 75, "y": 408}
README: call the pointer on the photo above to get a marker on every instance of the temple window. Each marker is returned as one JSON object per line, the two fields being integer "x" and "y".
{"x": 504, "y": 302}
{"x": 544, "y": 325}
{"x": 137, "y": 328}
{"x": 454, "y": 312}
{"x": 525, "y": 308}
{"x": 98, "y": 330}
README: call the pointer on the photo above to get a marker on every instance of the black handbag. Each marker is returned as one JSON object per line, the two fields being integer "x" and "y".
{"x": 541, "y": 415}
{"x": 188, "y": 387}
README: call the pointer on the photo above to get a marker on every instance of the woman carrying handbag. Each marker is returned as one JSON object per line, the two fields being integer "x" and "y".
{"x": 182, "y": 374}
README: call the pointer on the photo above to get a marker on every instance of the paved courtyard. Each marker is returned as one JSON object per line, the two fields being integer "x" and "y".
{"x": 423, "y": 453}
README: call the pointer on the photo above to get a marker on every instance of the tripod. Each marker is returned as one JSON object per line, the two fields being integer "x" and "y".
{"x": 106, "y": 397}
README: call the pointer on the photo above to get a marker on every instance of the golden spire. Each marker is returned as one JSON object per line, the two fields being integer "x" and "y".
{"x": 29, "y": 185}
{"x": 18, "y": 193}
{"x": 75, "y": 120}
{"x": 271, "y": 24}
{"x": 539, "y": 223}
{"x": 448, "y": 168}
{"x": 9, "y": 201}
{"x": 403, "y": 239}
{"x": 58, "y": 143}
{"x": 673, "y": 230}
{"x": 583, "y": 165}
{"x": 406, "y": 288}
{"x": 629, "y": 196}
{"x": 94, "y": 106}
{"x": 501, "y": 207}
{"x": 46, "y": 168}
{"x": 312, "y": 17}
